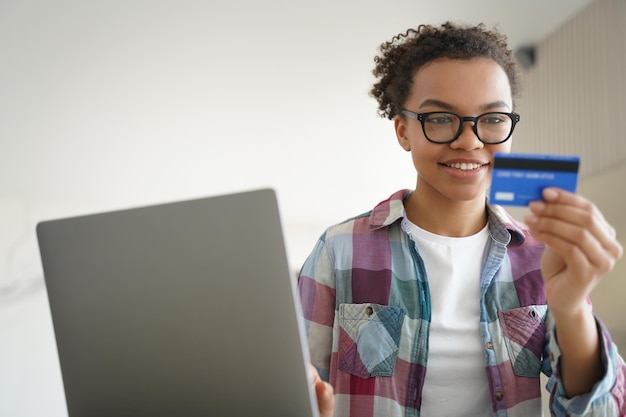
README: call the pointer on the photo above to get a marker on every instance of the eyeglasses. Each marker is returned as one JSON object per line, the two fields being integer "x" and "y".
{"x": 445, "y": 127}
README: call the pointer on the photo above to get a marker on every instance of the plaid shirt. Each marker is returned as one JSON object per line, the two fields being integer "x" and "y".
{"x": 366, "y": 305}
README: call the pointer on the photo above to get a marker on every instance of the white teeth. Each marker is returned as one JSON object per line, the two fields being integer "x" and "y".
{"x": 463, "y": 166}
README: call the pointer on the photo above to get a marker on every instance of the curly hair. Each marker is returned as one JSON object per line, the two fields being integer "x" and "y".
{"x": 408, "y": 52}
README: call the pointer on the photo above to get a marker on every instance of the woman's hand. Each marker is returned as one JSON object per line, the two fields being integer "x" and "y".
{"x": 324, "y": 393}
{"x": 581, "y": 247}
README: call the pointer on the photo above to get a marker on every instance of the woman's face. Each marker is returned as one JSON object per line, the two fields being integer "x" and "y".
{"x": 460, "y": 170}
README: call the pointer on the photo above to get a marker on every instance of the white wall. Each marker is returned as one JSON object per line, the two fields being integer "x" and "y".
{"x": 113, "y": 104}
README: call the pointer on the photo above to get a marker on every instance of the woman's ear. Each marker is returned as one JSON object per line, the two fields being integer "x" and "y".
{"x": 399, "y": 123}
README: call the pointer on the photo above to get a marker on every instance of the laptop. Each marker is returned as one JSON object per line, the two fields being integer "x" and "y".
{"x": 179, "y": 309}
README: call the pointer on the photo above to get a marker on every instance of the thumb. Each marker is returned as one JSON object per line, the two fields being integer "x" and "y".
{"x": 325, "y": 398}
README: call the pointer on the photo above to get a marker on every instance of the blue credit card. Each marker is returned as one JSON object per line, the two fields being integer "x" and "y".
{"x": 518, "y": 179}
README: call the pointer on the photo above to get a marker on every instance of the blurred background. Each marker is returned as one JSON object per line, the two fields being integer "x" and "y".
{"x": 118, "y": 104}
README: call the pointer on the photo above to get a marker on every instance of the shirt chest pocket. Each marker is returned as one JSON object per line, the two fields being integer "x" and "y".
{"x": 369, "y": 336}
{"x": 524, "y": 333}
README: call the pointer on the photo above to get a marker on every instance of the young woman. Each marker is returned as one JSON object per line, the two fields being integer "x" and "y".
{"x": 436, "y": 303}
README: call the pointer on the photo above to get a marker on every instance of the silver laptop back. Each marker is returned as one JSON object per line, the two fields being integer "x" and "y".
{"x": 178, "y": 309}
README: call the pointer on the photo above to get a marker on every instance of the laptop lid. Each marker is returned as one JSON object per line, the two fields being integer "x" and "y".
{"x": 186, "y": 308}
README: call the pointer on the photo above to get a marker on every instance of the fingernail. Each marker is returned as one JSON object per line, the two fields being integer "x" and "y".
{"x": 550, "y": 194}
{"x": 537, "y": 205}
{"x": 530, "y": 219}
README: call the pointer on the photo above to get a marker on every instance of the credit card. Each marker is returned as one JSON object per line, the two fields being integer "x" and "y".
{"x": 518, "y": 178}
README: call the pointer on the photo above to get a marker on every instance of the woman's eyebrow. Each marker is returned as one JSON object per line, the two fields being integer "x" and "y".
{"x": 438, "y": 103}
{"x": 497, "y": 105}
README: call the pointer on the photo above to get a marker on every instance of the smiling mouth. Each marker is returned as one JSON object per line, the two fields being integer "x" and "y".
{"x": 463, "y": 166}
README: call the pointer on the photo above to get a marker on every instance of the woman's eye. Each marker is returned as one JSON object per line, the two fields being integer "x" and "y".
{"x": 492, "y": 120}
{"x": 439, "y": 120}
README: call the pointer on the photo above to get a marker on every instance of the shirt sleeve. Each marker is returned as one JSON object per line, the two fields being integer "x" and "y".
{"x": 607, "y": 397}
{"x": 316, "y": 286}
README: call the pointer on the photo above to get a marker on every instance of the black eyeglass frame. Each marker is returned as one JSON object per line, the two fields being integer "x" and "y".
{"x": 421, "y": 117}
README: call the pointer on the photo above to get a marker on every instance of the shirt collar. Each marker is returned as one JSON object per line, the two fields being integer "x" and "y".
{"x": 389, "y": 211}
{"x": 502, "y": 226}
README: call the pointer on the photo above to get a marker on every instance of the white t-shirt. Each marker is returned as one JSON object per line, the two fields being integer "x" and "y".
{"x": 456, "y": 381}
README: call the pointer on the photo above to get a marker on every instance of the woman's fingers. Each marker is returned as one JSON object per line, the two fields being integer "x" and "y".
{"x": 570, "y": 224}
{"x": 324, "y": 393}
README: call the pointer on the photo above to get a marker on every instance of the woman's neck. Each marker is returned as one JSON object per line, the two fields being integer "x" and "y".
{"x": 444, "y": 217}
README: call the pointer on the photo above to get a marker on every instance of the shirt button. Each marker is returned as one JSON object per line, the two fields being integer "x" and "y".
{"x": 369, "y": 310}
{"x": 499, "y": 395}
{"x": 551, "y": 356}
{"x": 489, "y": 345}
